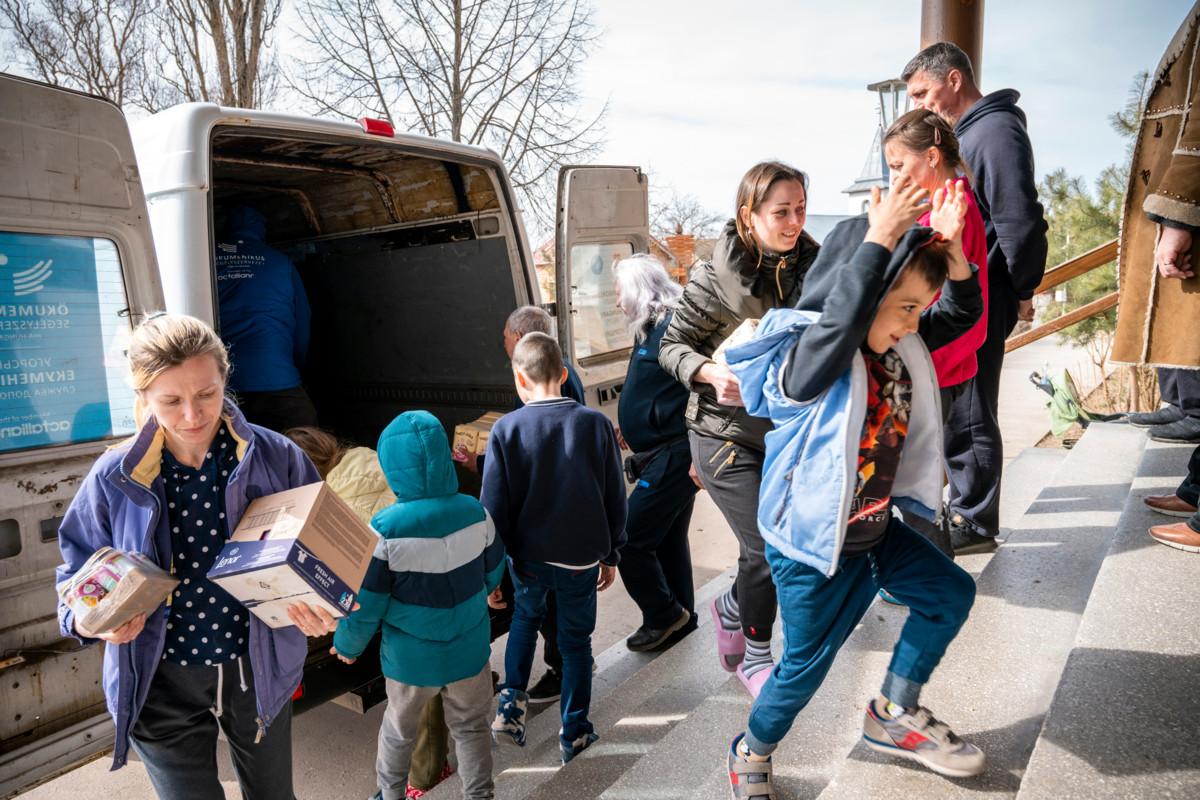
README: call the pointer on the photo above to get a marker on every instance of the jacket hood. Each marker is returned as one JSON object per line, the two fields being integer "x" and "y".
{"x": 840, "y": 245}
{"x": 740, "y": 271}
{"x": 247, "y": 224}
{"x": 415, "y": 455}
{"x": 1002, "y": 101}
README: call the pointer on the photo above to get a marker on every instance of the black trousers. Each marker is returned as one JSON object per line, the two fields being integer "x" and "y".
{"x": 286, "y": 408}
{"x": 732, "y": 474}
{"x": 501, "y": 620}
{"x": 656, "y": 561}
{"x": 952, "y": 443}
{"x": 977, "y": 459}
{"x": 176, "y": 735}
{"x": 1189, "y": 488}
{"x": 1180, "y": 388}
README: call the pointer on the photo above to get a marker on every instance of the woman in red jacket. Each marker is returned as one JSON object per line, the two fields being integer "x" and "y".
{"x": 921, "y": 146}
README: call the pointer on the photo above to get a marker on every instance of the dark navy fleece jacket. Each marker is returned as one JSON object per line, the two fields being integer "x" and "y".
{"x": 553, "y": 483}
{"x": 995, "y": 144}
{"x": 652, "y": 401}
{"x": 847, "y": 284}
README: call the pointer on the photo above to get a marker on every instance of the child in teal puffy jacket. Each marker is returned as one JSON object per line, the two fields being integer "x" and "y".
{"x": 437, "y": 560}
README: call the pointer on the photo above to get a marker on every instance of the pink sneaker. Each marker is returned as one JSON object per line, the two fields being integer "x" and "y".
{"x": 755, "y": 682}
{"x": 731, "y": 645}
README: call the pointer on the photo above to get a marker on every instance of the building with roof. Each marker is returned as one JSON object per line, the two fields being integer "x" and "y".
{"x": 893, "y": 102}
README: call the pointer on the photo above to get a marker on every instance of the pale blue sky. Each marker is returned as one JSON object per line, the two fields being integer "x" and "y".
{"x": 700, "y": 90}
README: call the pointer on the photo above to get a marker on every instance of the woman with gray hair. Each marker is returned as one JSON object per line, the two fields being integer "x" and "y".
{"x": 656, "y": 562}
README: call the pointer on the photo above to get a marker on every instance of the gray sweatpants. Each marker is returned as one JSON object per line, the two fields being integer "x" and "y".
{"x": 468, "y": 706}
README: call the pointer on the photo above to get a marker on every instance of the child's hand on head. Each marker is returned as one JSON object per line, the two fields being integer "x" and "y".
{"x": 891, "y": 216}
{"x": 949, "y": 211}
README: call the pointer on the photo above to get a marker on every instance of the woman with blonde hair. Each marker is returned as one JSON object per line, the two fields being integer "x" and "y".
{"x": 174, "y": 492}
{"x": 656, "y": 561}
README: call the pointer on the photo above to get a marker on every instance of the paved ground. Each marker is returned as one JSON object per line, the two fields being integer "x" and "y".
{"x": 335, "y": 747}
{"x": 1023, "y": 417}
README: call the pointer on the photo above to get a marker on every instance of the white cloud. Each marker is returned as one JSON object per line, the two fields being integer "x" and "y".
{"x": 698, "y": 91}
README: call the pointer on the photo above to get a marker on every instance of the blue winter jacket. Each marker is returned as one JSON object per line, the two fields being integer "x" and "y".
{"x": 121, "y": 504}
{"x": 437, "y": 559}
{"x": 264, "y": 309}
{"x": 811, "y": 466}
{"x": 804, "y": 369}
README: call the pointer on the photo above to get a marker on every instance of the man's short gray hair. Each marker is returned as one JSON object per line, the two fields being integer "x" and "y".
{"x": 937, "y": 60}
{"x": 529, "y": 319}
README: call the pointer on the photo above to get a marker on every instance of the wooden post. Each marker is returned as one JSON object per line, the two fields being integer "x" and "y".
{"x": 957, "y": 21}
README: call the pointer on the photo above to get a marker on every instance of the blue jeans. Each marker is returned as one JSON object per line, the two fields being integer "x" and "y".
{"x": 576, "y": 593}
{"x": 819, "y": 614}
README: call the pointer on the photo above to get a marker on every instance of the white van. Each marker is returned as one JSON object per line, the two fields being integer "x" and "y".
{"x": 412, "y": 251}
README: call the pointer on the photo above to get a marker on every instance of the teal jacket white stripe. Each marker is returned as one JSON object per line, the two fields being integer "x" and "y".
{"x": 811, "y": 467}
{"x": 437, "y": 559}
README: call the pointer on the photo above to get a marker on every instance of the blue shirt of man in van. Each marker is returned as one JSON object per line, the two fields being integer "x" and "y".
{"x": 264, "y": 311}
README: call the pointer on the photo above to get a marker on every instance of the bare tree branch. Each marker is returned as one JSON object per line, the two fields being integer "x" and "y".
{"x": 501, "y": 74}
{"x": 98, "y": 46}
{"x": 148, "y": 54}
{"x": 672, "y": 213}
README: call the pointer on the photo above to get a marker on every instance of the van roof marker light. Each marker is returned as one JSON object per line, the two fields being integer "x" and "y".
{"x": 376, "y": 127}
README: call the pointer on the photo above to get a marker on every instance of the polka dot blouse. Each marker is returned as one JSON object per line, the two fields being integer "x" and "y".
{"x": 205, "y": 625}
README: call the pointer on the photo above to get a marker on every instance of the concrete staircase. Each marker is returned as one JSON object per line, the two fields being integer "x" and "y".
{"x": 1073, "y": 672}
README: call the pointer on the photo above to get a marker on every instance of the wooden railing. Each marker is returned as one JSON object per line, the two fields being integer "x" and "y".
{"x": 1064, "y": 272}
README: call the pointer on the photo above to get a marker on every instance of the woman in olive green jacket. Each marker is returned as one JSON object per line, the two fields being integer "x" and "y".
{"x": 758, "y": 264}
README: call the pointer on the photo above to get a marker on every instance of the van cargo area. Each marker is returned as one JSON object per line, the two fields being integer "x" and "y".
{"x": 410, "y": 263}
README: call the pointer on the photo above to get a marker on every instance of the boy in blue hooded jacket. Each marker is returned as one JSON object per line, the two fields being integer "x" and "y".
{"x": 849, "y": 383}
{"x": 437, "y": 560}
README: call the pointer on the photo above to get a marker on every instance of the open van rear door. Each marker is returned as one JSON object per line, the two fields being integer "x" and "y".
{"x": 77, "y": 268}
{"x": 603, "y": 216}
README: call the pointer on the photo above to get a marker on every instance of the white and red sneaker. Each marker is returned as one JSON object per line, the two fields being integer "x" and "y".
{"x": 917, "y": 735}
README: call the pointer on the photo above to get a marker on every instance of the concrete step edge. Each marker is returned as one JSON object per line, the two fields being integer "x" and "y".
{"x": 616, "y": 668}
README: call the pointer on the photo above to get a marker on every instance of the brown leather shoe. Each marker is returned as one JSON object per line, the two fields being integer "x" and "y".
{"x": 1170, "y": 505}
{"x": 1178, "y": 535}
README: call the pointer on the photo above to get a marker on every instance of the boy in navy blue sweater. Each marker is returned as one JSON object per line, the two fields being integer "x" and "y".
{"x": 552, "y": 482}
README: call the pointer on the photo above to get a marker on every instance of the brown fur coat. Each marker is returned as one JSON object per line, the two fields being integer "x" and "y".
{"x": 1157, "y": 318}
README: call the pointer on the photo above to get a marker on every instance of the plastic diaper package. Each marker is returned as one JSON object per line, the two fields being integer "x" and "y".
{"x": 113, "y": 587}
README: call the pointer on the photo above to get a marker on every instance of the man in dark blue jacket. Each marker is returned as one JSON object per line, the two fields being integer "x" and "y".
{"x": 265, "y": 323}
{"x": 995, "y": 145}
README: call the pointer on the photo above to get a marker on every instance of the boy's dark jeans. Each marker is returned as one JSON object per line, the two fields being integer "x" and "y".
{"x": 820, "y": 612}
{"x": 176, "y": 735}
{"x": 576, "y": 590}
{"x": 501, "y": 621}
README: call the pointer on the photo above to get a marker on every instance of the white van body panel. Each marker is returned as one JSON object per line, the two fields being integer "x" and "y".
{"x": 174, "y": 152}
{"x": 603, "y": 213}
{"x": 67, "y": 172}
